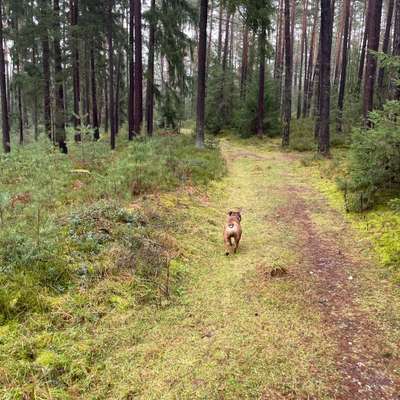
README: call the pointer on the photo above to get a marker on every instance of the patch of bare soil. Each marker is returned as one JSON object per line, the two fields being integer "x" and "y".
{"x": 364, "y": 362}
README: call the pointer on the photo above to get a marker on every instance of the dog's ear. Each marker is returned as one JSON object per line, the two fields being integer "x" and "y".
{"x": 239, "y": 216}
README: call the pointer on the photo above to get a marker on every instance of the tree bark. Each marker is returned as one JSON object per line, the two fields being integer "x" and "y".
{"x": 74, "y": 8}
{"x": 3, "y": 89}
{"x": 374, "y": 16}
{"x": 138, "y": 79}
{"x": 201, "y": 71}
{"x": 308, "y": 86}
{"x": 19, "y": 93}
{"x": 131, "y": 95}
{"x": 150, "y": 73}
{"x": 220, "y": 32}
{"x": 363, "y": 47}
{"x": 303, "y": 58}
{"x": 385, "y": 48}
{"x": 210, "y": 33}
{"x": 343, "y": 76}
{"x": 325, "y": 73}
{"x": 95, "y": 116}
{"x": 261, "y": 82}
{"x": 59, "y": 113}
{"x": 245, "y": 62}
{"x": 111, "y": 103}
{"x": 287, "y": 99}
{"x": 396, "y": 42}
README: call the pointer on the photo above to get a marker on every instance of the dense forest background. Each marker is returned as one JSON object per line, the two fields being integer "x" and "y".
{"x": 73, "y": 66}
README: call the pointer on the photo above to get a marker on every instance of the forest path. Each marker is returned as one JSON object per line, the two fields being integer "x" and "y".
{"x": 237, "y": 332}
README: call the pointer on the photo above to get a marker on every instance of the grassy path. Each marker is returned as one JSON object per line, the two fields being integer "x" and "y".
{"x": 238, "y": 333}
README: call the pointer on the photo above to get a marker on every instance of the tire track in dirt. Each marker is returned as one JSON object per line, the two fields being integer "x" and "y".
{"x": 365, "y": 367}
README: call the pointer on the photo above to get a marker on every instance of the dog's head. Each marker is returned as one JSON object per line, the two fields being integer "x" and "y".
{"x": 235, "y": 214}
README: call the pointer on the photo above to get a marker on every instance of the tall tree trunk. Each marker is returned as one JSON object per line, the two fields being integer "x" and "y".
{"x": 287, "y": 99}
{"x": 303, "y": 54}
{"x": 338, "y": 50}
{"x": 325, "y": 76}
{"x": 201, "y": 70}
{"x": 35, "y": 100}
{"x": 111, "y": 102}
{"x": 150, "y": 73}
{"x": 245, "y": 62}
{"x": 308, "y": 86}
{"x": 19, "y": 93}
{"x": 343, "y": 76}
{"x": 117, "y": 93}
{"x": 46, "y": 71}
{"x": 226, "y": 43}
{"x": 374, "y": 16}
{"x": 210, "y": 32}
{"x": 219, "y": 50}
{"x": 59, "y": 114}
{"x": 131, "y": 95}
{"x": 74, "y": 11}
{"x": 396, "y": 42}
{"x": 95, "y": 116}
{"x": 3, "y": 89}
{"x": 261, "y": 82}
{"x": 138, "y": 79}
{"x": 385, "y": 48}
{"x": 363, "y": 48}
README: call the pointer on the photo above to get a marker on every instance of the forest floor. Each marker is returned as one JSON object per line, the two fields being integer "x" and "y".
{"x": 301, "y": 312}
{"x": 326, "y": 327}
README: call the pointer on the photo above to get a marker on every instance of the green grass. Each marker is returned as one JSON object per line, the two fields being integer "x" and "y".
{"x": 61, "y": 216}
{"x": 205, "y": 327}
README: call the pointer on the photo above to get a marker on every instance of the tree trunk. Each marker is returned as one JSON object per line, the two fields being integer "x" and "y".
{"x": 363, "y": 47}
{"x": 46, "y": 71}
{"x": 111, "y": 103}
{"x": 396, "y": 42}
{"x": 220, "y": 32}
{"x": 342, "y": 86}
{"x": 303, "y": 54}
{"x": 74, "y": 11}
{"x": 308, "y": 86}
{"x": 19, "y": 93}
{"x": 138, "y": 79}
{"x": 287, "y": 99}
{"x": 117, "y": 93}
{"x": 201, "y": 70}
{"x": 210, "y": 32}
{"x": 374, "y": 16}
{"x": 245, "y": 63}
{"x": 95, "y": 117}
{"x": 385, "y": 48}
{"x": 261, "y": 82}
{"x": 35, "y": 100}
{"x": 226, "y": 43}
{"x": 131, "y": 95}
{"x": 3, "y": 89}
{"x": 150, "y": 73}
{"x": 59, "y": 114}
{"x": 338, "y": 50}
{"x": 325, "y": 74}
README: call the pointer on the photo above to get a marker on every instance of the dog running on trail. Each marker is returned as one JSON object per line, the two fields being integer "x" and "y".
{"x": 232, "y": 232}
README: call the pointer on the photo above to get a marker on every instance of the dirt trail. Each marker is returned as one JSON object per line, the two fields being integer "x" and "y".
{"x": 238, "y": 333}
{"x": 366, "y": 369}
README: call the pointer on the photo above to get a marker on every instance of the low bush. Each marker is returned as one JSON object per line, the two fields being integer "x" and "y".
{"x": 63, "y": 220}
{"x": 374, "y": 159}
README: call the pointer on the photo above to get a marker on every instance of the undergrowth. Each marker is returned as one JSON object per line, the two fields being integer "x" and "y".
{"x": 64, "y": 221}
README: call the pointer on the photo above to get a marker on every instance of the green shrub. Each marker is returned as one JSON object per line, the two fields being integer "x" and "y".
{"x": 374, "y": 158}
{"x": 63, "y": 222}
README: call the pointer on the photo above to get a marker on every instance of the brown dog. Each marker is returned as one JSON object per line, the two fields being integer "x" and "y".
{"x": 232, "y": 231}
